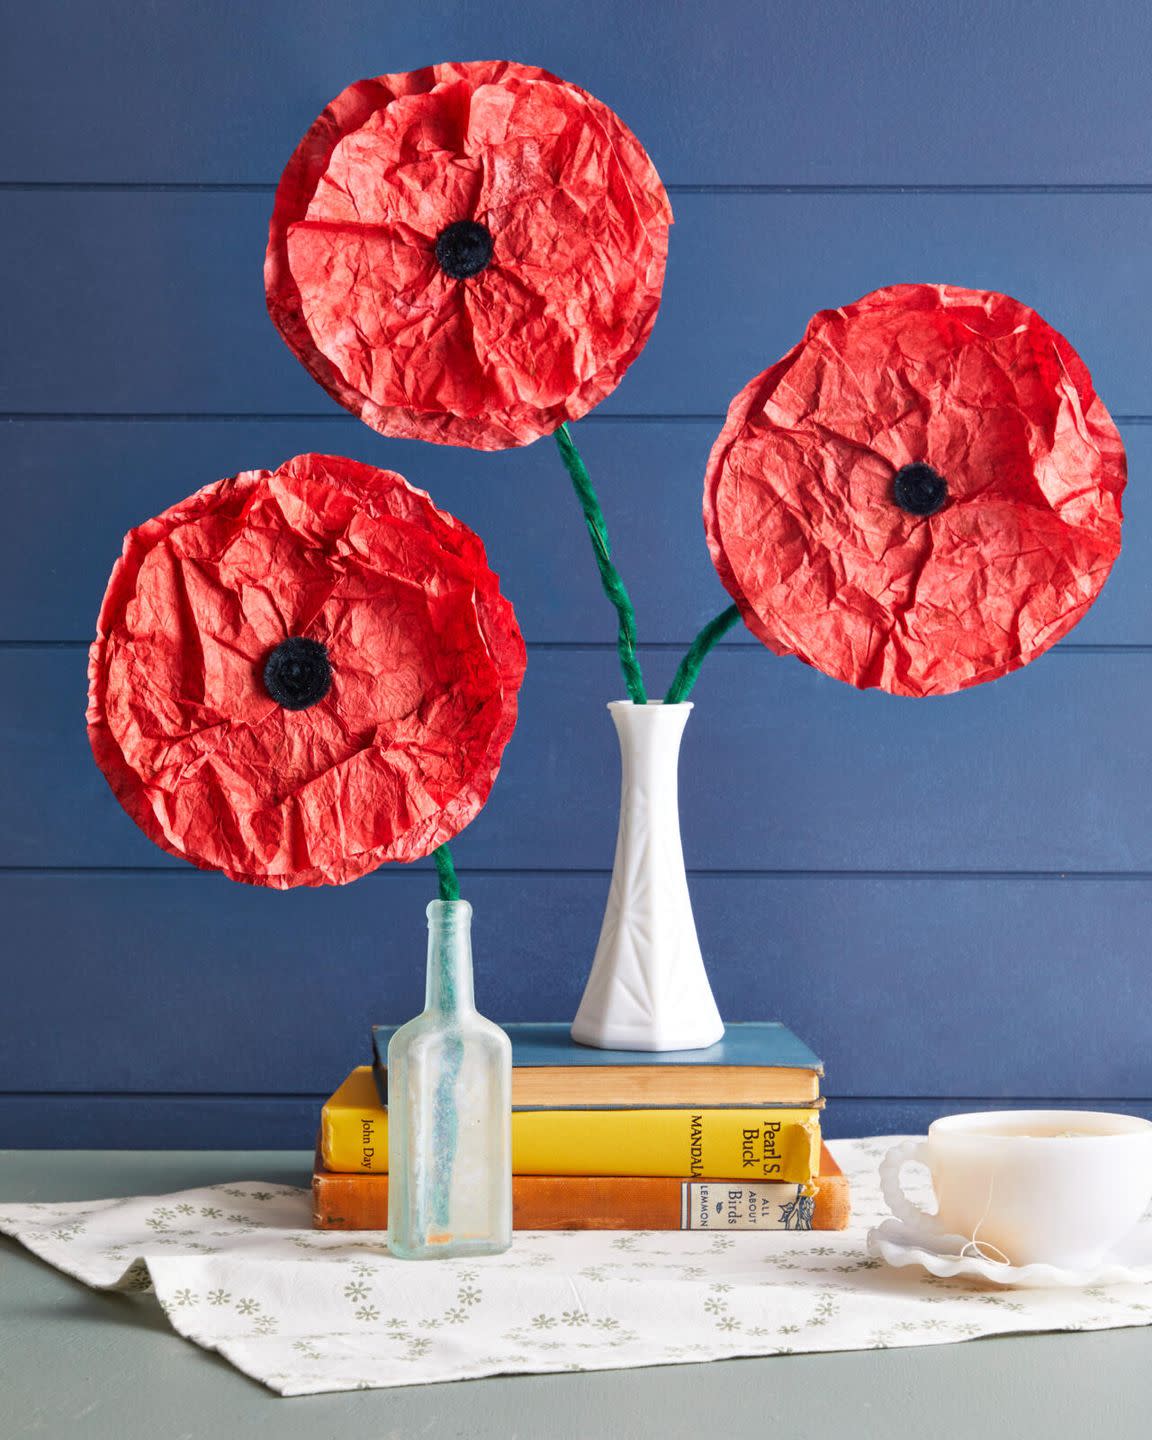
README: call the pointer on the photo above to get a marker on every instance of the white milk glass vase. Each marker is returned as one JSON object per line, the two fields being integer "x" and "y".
{"x": 648, "y": 989}
{"x": 449, "y": 1111}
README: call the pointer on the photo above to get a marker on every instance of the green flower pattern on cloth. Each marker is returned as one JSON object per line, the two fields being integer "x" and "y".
{"x": 237, "y": 1270}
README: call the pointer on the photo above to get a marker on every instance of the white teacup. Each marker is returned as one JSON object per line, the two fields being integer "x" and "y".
{"x": 1061, "y": 1187}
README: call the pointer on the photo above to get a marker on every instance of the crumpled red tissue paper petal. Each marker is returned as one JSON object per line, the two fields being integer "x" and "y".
{"x": 421, "y": 654}
{"x": 967, "y": 393}
{"x": 486, "y": 347}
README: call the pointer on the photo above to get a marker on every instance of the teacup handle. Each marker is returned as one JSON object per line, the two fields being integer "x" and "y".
{"x": 908, "y": 1152}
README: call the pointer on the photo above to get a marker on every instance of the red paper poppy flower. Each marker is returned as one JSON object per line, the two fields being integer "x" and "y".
{"x": 299, "y": 674}
{"x": 470, "y": 253}
{"x": 924, "y": 494}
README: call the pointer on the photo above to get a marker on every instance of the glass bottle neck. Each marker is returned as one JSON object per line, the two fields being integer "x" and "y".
{"x": 449, "y": 985}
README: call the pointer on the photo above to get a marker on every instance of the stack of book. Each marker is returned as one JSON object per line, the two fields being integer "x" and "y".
{"x": 721, "y": 1139}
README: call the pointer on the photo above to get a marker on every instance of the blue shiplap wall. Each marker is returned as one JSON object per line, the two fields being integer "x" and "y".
{"x": 950, "y": 899}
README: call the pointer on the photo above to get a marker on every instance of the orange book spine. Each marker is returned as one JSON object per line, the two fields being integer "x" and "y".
{"x": 590, "y": 1202}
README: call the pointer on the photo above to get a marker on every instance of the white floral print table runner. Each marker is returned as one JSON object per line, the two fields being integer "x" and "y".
{"x": 238, "y": 1270}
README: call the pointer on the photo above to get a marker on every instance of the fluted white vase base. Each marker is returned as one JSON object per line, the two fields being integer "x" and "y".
{"x": 605, "y": 1035}
{"x": 648, "y": 988}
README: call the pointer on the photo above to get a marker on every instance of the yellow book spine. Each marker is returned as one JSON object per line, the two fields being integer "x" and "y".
{"x": 752, "y": 1145}
{"x": 713, "y": 1144}
{"x": 354, "y": 1143}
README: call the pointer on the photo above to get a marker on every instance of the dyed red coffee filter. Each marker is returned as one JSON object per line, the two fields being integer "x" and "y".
{"x": 470, "y": 253}
{"x": 382, "y": 750}
{"x": 802, "y": 501}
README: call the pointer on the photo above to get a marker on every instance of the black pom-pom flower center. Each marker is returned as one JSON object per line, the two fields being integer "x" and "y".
{"x": 919, "y": 489}
{"x": 464, "y": 248}
{"x": 297, "y": 673}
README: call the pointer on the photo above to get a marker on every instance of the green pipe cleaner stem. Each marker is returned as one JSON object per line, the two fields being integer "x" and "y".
{"x": 689, "y": 668}
{"x": 609, "y": 576}
{"x": 446, "y": 870}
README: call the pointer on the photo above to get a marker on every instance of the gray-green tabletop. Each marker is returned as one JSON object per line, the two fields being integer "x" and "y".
{"x": 76, "y": 1362}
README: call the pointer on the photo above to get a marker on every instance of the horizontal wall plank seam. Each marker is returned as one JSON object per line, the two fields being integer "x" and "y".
{"x": 1064, "y": 647}
{"x": 268, "y": 187}
{"x": 256, "y": 417}
{"x": 296, "y": 1097}
{"x": 187, "y": 872}
{"x": 243, "y": 417}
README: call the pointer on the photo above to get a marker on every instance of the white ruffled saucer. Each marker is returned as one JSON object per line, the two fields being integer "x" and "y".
{"x": 900, "y": 1244}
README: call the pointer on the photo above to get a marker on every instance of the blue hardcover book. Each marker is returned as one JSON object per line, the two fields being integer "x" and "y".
{"x": 757, "y": 1063}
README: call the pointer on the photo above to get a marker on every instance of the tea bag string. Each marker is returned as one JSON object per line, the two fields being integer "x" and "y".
{"x": 975, "y": 1249}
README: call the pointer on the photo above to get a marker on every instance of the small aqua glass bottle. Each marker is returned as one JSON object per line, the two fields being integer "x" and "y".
{"x": 449, "y": 1111}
